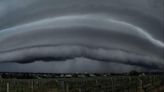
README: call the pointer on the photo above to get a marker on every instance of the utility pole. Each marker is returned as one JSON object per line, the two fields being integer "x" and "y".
{"x": 112, "y": 84}
{"x": 67, "y": 87}
{"x": 32, "y": 85}
{"x": 141, "y": 86}
{"x": 7, "y": 87}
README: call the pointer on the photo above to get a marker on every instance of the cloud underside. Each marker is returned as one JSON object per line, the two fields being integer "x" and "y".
{"x": 72, "y": 66}
{"x": 64, "y": 53}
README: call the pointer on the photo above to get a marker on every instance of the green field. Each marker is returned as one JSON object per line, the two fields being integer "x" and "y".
{"x": 146, "y": 83}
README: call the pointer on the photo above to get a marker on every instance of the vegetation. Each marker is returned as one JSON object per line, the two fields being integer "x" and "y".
{"x": 110, "y": 83}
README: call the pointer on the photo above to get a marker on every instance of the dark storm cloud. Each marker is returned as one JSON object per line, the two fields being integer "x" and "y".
{"x": 70, "y": 66}
{"x": 62, "y": 53}
{"x": 59, "y": 30}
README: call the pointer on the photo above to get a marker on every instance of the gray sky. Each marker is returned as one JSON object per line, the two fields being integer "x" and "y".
{"x": 81, "y": 35}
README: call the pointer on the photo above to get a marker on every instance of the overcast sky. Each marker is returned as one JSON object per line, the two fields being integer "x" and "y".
{"x": 81, "y": 35}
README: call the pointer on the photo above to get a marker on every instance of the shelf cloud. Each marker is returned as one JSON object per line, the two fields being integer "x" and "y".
{"x": 118, "y": 32}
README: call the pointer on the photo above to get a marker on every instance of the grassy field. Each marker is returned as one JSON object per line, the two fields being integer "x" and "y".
{"x": 146, "y": 83}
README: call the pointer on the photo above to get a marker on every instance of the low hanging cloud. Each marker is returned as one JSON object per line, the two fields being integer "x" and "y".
{"x": 119, "y": 33}
{"x": 63, "y": 53}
